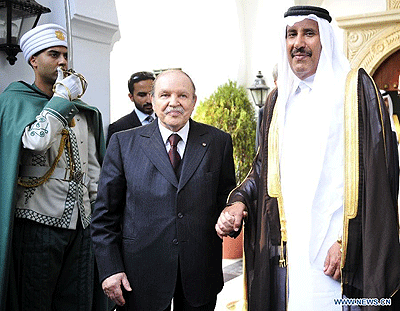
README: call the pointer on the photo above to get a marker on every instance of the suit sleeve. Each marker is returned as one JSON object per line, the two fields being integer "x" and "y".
{"x": 108, "y": 211}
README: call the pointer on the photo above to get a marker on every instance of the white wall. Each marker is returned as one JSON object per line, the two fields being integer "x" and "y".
{"x": 201, "y": 37}
{"x": 261, "y": 24}
{"x": 212, "y": 40}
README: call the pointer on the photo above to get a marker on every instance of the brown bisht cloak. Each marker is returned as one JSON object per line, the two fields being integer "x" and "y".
{"x": 371, "y": 248}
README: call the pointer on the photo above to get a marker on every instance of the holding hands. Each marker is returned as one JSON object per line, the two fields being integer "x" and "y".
{"x": 230, "y": 219}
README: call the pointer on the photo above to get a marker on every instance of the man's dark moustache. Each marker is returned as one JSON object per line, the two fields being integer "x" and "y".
{"x": 301, "y": 51}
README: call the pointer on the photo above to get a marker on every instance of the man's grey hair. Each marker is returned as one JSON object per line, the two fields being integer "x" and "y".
{"x": 275, "y": 73}
{"x": 167, "y": 71}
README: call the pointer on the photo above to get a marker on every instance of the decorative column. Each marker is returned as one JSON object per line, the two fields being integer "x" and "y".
{"x": 94, "y": 26}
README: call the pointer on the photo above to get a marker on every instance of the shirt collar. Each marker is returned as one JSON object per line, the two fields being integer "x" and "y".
{"x": 142, "y": 116}
{"x": 307, "y": 82}
{"x": 165, "y": 133}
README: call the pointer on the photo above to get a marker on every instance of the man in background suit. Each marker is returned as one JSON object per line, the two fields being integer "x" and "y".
{"x": 153, "y": 224}
{"x": 139, "y": 85}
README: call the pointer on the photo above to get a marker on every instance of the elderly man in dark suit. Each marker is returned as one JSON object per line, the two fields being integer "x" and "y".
{"x": 158, "y": 201}
{"x": 140, "y": 85}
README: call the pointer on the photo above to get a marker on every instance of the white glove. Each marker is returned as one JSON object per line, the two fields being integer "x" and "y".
{"x": 69, "y": 88}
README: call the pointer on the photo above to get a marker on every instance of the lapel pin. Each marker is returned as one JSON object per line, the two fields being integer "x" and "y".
{"x": 204, "y": 144}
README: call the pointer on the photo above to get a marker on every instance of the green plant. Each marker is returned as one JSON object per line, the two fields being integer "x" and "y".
{"x": 230, "y": 110}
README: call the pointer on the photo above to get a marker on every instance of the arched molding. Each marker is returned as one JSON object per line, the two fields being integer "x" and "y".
{"x": 369, "y": 39}
{"x": 369, "y": 48}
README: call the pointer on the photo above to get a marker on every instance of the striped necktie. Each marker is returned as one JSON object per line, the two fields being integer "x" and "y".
{"x": 149, "y": 119}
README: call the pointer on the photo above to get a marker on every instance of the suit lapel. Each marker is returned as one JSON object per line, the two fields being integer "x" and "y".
{"x": 154, "y": 148}
{"x": 135, "y": 119}
{"x": 196, "y": 147}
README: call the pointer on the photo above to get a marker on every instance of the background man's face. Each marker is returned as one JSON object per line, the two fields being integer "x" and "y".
{"x": 173, "y": 99}
{"x": 141, "y": 96}
{"x": 303, "y": 48}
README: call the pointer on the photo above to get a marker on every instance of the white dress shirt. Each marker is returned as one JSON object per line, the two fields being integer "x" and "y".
{"x": 183, "y": 133}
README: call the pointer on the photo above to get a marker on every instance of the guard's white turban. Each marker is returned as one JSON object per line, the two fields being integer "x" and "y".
{"x": 42, "y": 37}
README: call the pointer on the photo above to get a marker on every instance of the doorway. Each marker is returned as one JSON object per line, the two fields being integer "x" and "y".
{"x": 386, "y": 77}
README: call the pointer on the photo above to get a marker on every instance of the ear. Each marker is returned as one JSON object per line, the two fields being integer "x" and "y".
{"x": 130, "y": 97}
{"x": 33, "y": 61}
{"x": 194, "y": 99}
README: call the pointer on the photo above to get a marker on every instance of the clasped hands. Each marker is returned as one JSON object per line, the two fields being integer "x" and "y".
{"x": 231, "y": 219}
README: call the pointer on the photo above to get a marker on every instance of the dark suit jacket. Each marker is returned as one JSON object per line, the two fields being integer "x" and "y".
{"x": 125, "y": 123}
{"x": 145, "y": 221}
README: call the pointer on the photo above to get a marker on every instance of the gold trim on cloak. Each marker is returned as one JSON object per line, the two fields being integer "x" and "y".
{"x": 274, "y": 178}
{"x": 351, "y": 158}
{"x": 396, "y": 125}
{"x": 274, "y": 186}
{"x": 352, "y": 152}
